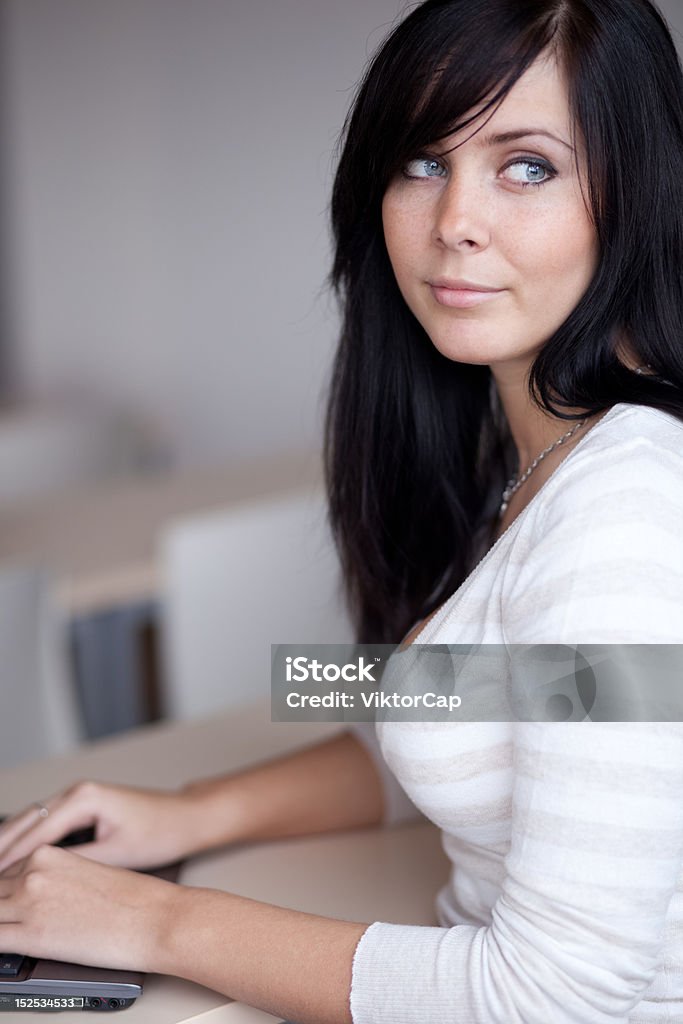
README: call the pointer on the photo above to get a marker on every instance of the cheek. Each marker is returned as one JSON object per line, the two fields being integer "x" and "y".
{"x": 574, "y": 261}
{"x": 559, "y": 250}
{"x": 402, "y": 231}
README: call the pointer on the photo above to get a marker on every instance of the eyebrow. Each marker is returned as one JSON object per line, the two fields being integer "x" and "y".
{"x": 522, "y": 133}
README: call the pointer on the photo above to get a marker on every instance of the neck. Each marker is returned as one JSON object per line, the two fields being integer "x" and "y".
{"x": 532, "y": 429}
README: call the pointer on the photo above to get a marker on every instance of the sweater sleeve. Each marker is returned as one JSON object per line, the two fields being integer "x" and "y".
{"x": 398, "y": 807}
{"x": 597, "y": 816}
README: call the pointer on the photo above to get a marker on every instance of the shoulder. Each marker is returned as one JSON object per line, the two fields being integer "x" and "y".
{"x": 602, "y": 560}
{"x": 634, "y": 455}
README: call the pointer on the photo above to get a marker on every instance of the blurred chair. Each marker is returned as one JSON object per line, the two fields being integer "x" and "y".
{"x": 39, "y": 713}
{"x": 235, "y": 583}
{"x": 47, "y": 449}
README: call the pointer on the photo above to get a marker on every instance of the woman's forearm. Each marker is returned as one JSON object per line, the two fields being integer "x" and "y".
{"x": 332, "y": 785}
{"x": 285, "y": 962}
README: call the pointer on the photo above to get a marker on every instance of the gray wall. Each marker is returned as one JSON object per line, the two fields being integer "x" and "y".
{"x": 673, "y": 12}
{"x": 168, "y": 170}
{"x": 167, "y": 166}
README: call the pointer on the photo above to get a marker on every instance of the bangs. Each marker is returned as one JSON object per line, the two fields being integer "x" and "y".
{"x": 440, "y": 74}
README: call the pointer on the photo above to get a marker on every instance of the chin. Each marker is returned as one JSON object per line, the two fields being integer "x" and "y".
{"x": 476, "y": 353}
{"x": 483, "y": 345}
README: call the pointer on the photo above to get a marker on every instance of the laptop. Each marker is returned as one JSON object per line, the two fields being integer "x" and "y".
{"x": 49, "y": 985}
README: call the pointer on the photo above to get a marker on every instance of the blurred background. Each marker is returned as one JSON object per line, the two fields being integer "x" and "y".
{"x": 165, "y": 342}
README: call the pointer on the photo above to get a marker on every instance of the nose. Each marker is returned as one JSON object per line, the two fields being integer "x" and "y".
{"x": 461, "y": 220}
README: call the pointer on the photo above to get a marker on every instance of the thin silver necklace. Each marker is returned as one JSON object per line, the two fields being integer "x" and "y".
{"x": 514, "y": 483}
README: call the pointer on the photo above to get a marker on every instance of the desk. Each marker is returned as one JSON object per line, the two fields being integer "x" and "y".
{"x": 364, "y": 874}
{"x": 100, "y": 542}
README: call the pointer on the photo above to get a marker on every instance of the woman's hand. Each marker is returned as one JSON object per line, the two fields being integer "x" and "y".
{"x": 136, "y": 828}
{"x": 329, "y": 786}
{"x": 58, "y": 905}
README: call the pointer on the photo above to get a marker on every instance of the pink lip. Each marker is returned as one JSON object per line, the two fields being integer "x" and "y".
{"x": 462, "y": 294}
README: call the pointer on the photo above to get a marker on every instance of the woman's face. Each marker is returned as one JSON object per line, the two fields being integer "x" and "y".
{"x": 503, "y": 213}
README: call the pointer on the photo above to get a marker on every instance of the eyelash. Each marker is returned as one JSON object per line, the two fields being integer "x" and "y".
{"x": 535, "y": 161}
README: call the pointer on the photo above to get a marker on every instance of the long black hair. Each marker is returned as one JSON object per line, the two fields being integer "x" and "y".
{"x": 414, "y": 441}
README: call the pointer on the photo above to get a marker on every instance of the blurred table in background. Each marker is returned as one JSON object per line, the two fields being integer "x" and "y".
{"x": 99, "y": 545}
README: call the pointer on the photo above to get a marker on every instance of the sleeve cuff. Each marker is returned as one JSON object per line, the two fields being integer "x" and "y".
{"x": 396, "y": 976}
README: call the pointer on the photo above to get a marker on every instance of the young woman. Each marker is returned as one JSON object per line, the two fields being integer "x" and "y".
{"x": 508, "y": 220}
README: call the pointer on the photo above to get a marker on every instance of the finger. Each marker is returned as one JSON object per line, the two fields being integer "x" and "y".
{"x": 7, "y": 887}
{"x": 33, "y": 830}
{"x": 103, "y": 852}
{"x": 25, "y": 841}
{"x": 17, "y": 832}
{"x": 19, "y": 822}
{"x": 10, "y": 935}
{"x": 14, "y": 871}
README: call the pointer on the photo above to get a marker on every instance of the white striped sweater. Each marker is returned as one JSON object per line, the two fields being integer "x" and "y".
{"x": 565, "y": 899}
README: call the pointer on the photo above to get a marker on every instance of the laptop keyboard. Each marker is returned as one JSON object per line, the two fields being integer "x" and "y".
{"x": 11, "y": 964}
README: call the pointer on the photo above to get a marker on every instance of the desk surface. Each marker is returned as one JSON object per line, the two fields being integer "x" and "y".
{"x": 364, "y": 874}
{"x": 100, "y": 543}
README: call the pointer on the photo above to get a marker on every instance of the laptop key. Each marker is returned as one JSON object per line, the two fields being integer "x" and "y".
{"x": 10, "y": 964}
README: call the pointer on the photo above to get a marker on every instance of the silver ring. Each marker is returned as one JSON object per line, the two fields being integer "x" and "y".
{"x": 43, "y": 811}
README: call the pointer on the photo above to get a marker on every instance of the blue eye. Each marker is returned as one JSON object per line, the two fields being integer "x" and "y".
{"x": 533, "y": 172}
{"x": 424, "y": 167}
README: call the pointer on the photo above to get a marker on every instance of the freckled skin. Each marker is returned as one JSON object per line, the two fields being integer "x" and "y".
{"x": 474, "y": 219}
